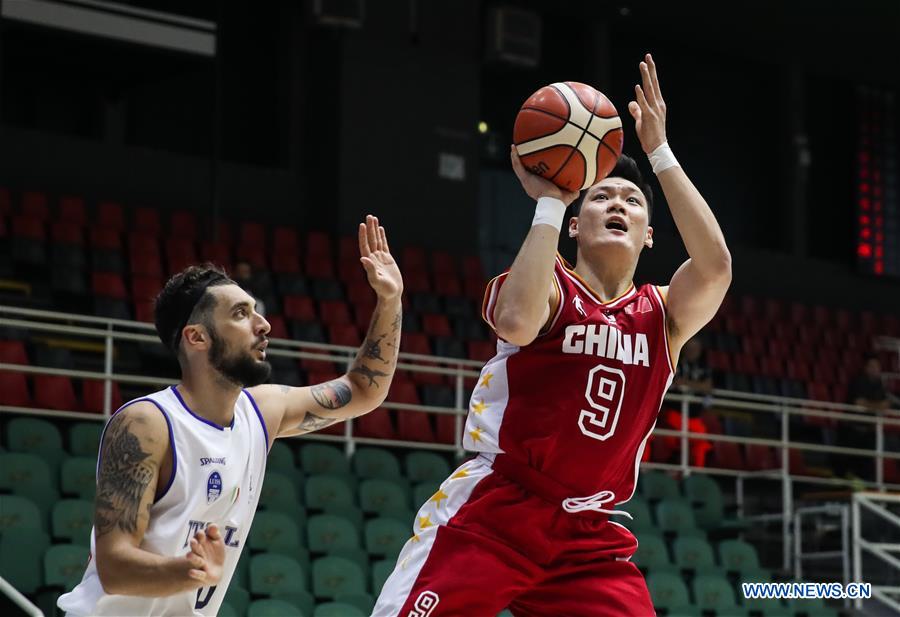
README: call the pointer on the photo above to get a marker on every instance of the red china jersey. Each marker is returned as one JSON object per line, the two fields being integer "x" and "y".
{"x": 580, "y": 401}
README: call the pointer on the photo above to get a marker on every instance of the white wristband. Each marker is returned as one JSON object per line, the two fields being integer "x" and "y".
{"x": 662, "y": 158}
{"x": 549, "y": 211}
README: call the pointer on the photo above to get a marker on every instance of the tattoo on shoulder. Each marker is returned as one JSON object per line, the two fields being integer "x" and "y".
{"x": 312, "y": 422}
{"x": 122, "y": 480}
{"x": 285, "y": 389}
{"x": 332, "y": 394}
{"x": 364, "y": 370}
{"x": 373, "y": 349}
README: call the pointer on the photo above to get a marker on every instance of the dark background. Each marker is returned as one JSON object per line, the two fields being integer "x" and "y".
{"x": 315, "y": 125}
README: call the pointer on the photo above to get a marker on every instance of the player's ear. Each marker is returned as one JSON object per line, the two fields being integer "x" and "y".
{"x": 573, "y": 226}
{"x": 195, "y": 335}
{"x": 648, "y": 241}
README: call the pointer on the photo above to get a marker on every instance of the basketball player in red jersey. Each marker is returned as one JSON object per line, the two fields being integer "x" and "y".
{"x": 562, "y": 413}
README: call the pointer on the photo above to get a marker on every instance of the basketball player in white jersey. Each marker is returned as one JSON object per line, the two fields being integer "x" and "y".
{"x": 180, "y": 471}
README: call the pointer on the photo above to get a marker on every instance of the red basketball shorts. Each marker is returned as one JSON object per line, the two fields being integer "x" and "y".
{"x": 483, "y": 543}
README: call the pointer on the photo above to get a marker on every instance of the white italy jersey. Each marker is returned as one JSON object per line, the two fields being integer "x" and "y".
{"x": 217, "y": 475}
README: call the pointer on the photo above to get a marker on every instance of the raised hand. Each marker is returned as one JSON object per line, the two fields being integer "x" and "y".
{"x": 375, "y": 255}
{"x": 649, "y": 108}
{"x": 535, "y": 185}
{"x": 207, "y": 556}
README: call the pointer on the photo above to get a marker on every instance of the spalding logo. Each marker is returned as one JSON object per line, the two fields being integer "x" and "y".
{"x": 213, "y": 487}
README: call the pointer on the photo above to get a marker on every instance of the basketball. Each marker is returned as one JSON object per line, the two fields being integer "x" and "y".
{"x": 569, "y": 133}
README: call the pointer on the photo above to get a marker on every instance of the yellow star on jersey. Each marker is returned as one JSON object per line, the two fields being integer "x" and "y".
{"x": 479, "y": 406}
{"x": 425, "y": 521}
{"x": 486, "y": 380}
{"x": 475, "y": 434}
{"x": 462, "y": 473}
{"x": 439, "y": 497}
{"x": 415, "y": 537}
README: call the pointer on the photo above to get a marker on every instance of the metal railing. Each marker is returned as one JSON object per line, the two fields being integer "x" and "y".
{"x": 18, "y": 599}
{"x": 781, "y": 409}
{"x": 883, "y": 551}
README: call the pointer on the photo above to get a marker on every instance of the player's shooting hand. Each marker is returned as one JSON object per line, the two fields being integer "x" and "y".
{"x": 649, "y": 108}
{"x": 535, "y": 185}
{"x": 207, "y": 556}
{"x": 375, "y": 255}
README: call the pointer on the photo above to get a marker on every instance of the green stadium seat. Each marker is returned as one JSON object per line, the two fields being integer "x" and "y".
{"x": 226, "y": 610}
{"x": 241, "y": 576}
{"x": 706, "y": 498}
{"x": 675, "y": 516}
{"x": 326, "y": 533}
{"x": 337, "y": 609}
{"x": 279, "y": 493}
{"x": 426, "y": 467}
{"x": 272, "y": 573}
{"x": 375, "y": 463}
{"x": 17, "y": 512}
{"x": 324, "y": 491}
{"x": 21, "y": 556}
{"x": 351, "y": 513}
{"x": 71, "y": 520}
{"x": 667, "y": 591}
{"x": 363, "y": 601}
{"x": 641, "y": 522}
{"x": 656, "y": 485}
{"x": 273, "y": 608}
{"x": 78, "y": 477}
{"x": 281, "y": 459}
{"x": 651, "y": 554}
{"x": 423, "y": 492}
{"x": 716, "y": 593}
{"x": 320, "y": 459}
{"x": 333, "y": 576}
{"x": 29, "y": 476}
{"x": 381, "y": 570}
{"x": 685, "y": 611}
{"x": 274, "y": 531}
{"x": 64, "y": 565}
{"x": 301, "y": 599}
{"x": 84, "y": 439}
{"x": 738, "y": 556}
{"x": 385, "y": 537}
{"x": 812, "y": 607}
{"x": 382, "y": 496}
{"x": 237, "y": 597}
{"x": 694, "y": 554}
{"x": 767, "y": 606}
{"x": 36, "y": 436}
{"x": 401, "y": 516}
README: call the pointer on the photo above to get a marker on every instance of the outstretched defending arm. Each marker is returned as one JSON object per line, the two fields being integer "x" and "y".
{"x": 699, "y": 285}
{"x": 524, "y": 300}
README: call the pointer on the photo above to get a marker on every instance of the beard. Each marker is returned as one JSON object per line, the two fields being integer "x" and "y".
{"x": 240, "y": 369}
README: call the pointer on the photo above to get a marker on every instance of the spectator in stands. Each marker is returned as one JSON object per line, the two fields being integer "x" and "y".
{"x": 868, "y": 390}
{"x": 692, "y": 376}
{"x": 243, "y": 276}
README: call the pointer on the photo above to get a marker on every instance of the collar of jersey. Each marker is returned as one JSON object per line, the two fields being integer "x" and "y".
{"x": 587, "y": 288}
{"x": 201, "y": 418}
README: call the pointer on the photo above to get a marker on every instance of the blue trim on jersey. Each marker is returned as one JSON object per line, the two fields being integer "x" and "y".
{"x": 201, "y": 418}
{"x": 171, "y": 440}
{"x": 259, "y": 415}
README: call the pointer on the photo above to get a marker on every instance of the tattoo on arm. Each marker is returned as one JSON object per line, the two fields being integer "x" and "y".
{"x": 332, "y": 394}
{"x": 373, "y": 349}
{"x": 123, "y": 478}
{"x": 398, "y": 321}
{"x": 370, "y": 374}
{"x": 311, "y": 422}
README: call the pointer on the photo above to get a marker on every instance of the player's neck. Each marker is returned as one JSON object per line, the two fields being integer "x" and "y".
{"x": 605, "y": 277}
{"x": 209, "y": 396}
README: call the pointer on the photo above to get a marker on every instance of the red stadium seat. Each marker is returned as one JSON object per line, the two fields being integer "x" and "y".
{"x": 319, "y": 266}
{"x": 412, "y": 342}
{"x": 254, "y": 255}
{"x": 414, "y": 426}
{"x": 821, "y": 316}
{"x": 843, "y": 319}
{"x": 92, "y": 396}
{"x": 728, "y": 455}
{"x": 14, "y": 390}
{"x": 771, "y": 367}
{"x": 64, "y": 232}
{"x": 481, "y": 350}
{"x": 334, "y": 312}
{"x": 183, "y": 224}
{"x": 403, "y": 391}
{"x": 106, "y": 238}
{"x": 798, "y": 370}
{"x": 773, "y": 309}
{"x": 222, "y": 232}
{"x": 746, "y": 363}
{"x": 285, "y": 241}
{"x": 146, "y": 220}
{"x": 443, "y": 263}
{"x": 761, "y": 457}
{"x": 412, "y": 259}
{"x": 299, "y": 308}
{"x": 318, "y": 244}
{"x": 416, "y": 281}
{"x": 28, "y": 227}
{"x": 800, "y": 313}
{"x": 446, "y": 428}
{"x": 34, "y": 205}
{"x": 753, "y": 345}
{"x": 144, "y": 310}
{"x": 891, "y": 471}
{"x": 276, "y": 322}
{"x": 819, "y": 392}
{"x": 285, "y": 263}
{"x": 344, "y": 334}
{"x": 718, "y": 360}
{"x": 376, "y": 424}
{"x": 13, "y": 352}
{"x": 108, "y": 285}
{"x": 71, "y": 210}
{"x": 145, "y": 287}
{"x": 472, "y": 268}
{"x": 474, "y": 288}
{"x": 180, "y": 254}
{"x": 750, "y": 306}
{"x": 351, "y": 273}
{"x": 252, "y": 234}
{"x": 55, "y": 392}
{"x": 111, "y": 216}
{"x": 215, "y": 252}
{"x": 143, "y": 255}
{"x": 348, "y": 248}
{"x": 447, "y": 285}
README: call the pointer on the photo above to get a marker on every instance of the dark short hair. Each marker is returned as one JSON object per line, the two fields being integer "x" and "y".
{"x": 626, "y": 168}
{"x": 185, "y": 299}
